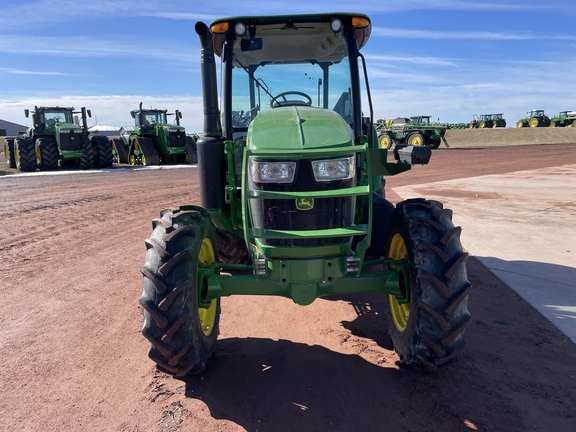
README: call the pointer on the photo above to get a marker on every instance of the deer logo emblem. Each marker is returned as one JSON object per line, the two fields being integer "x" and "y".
{"x": 305, "y": 204}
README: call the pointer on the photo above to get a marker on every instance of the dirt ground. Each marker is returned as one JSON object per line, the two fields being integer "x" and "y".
{"x": 72, "y": 356}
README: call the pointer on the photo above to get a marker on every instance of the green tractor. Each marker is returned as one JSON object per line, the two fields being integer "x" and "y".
{"x": 153, "y": 140}
{"x": 415, "y": 131}
{"x": 57, "y": 140}
{"x": 564, "y": 119}
{"x": 535, "y": 118}
{"x": 488, "y": 121}
{"x": 295, "y": 183}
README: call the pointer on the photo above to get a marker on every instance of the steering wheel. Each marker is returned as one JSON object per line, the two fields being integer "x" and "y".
{"x": 286, "y": 102}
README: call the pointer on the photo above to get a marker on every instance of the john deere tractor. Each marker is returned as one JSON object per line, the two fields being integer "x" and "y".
{"x": 153, "y": 140}
{"x": 296, "y": 185}
{"x": 56, "y": 140}
{"x": 535, "y": 118}
{"x": 488, "y": 121}
{"x": 564, "y": 119}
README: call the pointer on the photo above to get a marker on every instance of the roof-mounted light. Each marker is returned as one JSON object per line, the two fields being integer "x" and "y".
{"x": 336, "y": 25}
{"x": 240, "y": 29}
{"x": 221, "y": 27}
{"x": 360, "y": 22}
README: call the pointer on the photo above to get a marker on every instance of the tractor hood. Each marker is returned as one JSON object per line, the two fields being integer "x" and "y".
{"x": 298, "y": 128}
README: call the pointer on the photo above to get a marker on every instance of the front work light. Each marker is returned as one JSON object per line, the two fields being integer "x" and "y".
{"x": 334, "y": 169}
{"x": 272, "y": 172}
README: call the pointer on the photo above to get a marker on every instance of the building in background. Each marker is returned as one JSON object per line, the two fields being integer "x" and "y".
{"x": 9, "y": 129}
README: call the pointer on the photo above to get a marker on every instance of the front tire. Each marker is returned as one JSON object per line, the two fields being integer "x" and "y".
{"x": 25, "y": 154}
{"x": 428, "y": 330}
{"x": 182, "y": 331}
{"x": 47, "y": 154}
{"x": 535, "y": 122}
{"x": 385, "y": 141}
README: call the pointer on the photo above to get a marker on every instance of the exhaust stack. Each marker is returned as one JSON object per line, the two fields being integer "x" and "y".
{"x": 212, "y": 124}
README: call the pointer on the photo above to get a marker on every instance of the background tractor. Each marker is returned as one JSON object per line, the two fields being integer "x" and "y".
{"x": 535, "y": 118}
{"x": 153, "y": 140}
{"x": 415, "y": 131}
{"x": 296, "y": 185}
{"x": 488, "y": 121}
{"x": 56, "y": 139}
{"x": 564, "y": 119}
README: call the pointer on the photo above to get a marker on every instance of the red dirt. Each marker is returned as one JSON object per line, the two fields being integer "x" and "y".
{"x": 72, "y": 356}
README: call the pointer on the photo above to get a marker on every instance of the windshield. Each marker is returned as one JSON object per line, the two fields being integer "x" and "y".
{"x": 152, "y": 117}
{"x": 302, "y": 66}
{"x": 51, "y": 117}
{"x": 274, "y": 86}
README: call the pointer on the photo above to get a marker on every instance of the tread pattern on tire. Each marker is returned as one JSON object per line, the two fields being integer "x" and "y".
{"x": 191, "y": 149}
{"x": 149, "y": 151}
{"x": 48, "y": 153}
{"x": 102, "y": 150}
{"x": 169, "y": 293}
{"x": 26, "y": 160}
{"x": 439, "y": 315}
{"x": 121, "y": 150}
{"x": 9, "y": 152}
{"x": 87, "y": 159}
{"x": 232, "y": 248}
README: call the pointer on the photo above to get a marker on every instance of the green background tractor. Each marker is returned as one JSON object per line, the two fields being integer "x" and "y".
{"x": 535, "y": 118}
{"x": 296, "y": 183}
{"x": 564, "y": 119}
{"x": 55, "y": 139}
{"x": 415, "y": 131}
{"x": 153, "y": 140}
{"x": 488, "y": 121}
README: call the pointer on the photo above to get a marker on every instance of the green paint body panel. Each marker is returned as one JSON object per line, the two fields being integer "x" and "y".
{"x": 296, "y": 128}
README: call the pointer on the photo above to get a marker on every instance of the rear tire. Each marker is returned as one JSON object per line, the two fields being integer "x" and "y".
{"x": 182, "y": 333}
{"x": 428, "y": 331}
{"x": 47, "y": 154}
{"x": 417, "y": 140}
{"x": 9, "y": 152}
{"x": 25, "y": 154}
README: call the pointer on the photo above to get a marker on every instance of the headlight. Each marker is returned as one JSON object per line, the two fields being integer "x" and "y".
{"x": 334, "y": 169}
{"x": 272, "y": 172}
{"x": 65, "y": 131}
{"x": 173, "y": 130}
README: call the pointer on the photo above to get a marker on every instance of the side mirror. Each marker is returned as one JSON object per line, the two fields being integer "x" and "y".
{"x": 89, "y": 113}
{"x": 27, "y": 113}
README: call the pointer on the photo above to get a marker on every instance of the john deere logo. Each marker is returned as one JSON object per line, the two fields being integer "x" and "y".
{"x": 305, "y": 204}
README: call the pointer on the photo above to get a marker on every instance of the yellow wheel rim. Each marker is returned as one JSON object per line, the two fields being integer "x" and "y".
{"x": 519, "y": 124}
{"x": 132, "y": 160}
{"x": 38, "y": 155}
{"x": 384, "y": 141}
{"x": 495, "y": 125}
{"x": 207, "y": 316}
{"x": 143, "y": 159}
{"x": 533, "y": 123}
{"x": 416, "y": 141}
{"x": 400, "y": 312}
{"x": 17, "y": 154}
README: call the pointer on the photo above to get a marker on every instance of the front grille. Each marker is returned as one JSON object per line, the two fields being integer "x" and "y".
{"x": 284, "y": 215}
{"x": 176, "y": 139}
{"x": 71, "y": 141}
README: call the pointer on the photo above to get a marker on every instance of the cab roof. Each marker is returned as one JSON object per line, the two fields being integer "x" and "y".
{"x": 277, "y": 25}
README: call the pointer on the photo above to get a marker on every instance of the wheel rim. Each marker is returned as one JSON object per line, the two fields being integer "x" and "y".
{"x": 519, "y": 124}
{"x": 132, "y": 159}
{"x": 143, "y": 159}
{"x": 400, "y": 312}
{"x": 207, "y": 316}
{"x": 416, "y": 140}
{"x": 553, "y": 124}
{"x": 384, "y": 141}
{"x": 17, "y": 156}
{"x": 38, "y": 156}
{"x": 533, "y": 123}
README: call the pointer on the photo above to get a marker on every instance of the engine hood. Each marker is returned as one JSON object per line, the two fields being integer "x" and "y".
{"x": 298, "y": 128}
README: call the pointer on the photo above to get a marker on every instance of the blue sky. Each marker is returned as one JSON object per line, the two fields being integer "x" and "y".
{"x": 449, "y": 59}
